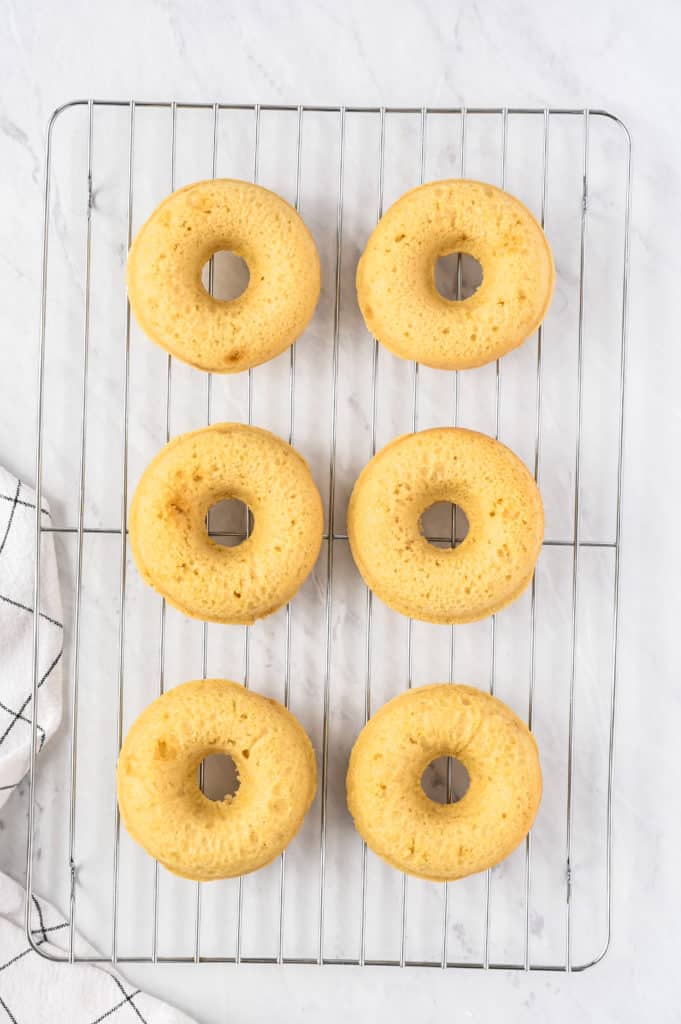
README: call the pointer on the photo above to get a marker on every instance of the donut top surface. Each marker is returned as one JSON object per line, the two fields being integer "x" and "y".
{"x": 418, "y": 835}
{"x": 396, "y": 274}
{"x": 170, "y": 250}
{"x": 161, "y": 803}
{"x": 168, "y": 533}
{"x": 495, "y": 561}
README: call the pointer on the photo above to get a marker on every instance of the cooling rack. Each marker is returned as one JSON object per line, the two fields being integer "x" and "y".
{"x": 108, "y": 399}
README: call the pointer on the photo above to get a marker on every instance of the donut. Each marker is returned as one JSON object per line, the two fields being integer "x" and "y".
{"x": 159, "y": 798}
{"x": 169, "y": 537}
{"x": 164, "y": 275}
{"x": 442, "y": 842}
{"x": 493, "y": 564}
{"x": 396, "y": 288}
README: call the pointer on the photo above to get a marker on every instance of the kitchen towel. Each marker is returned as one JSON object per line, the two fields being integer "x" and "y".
{"x": 17, "y": 556}
{"x": 34, "y": 989}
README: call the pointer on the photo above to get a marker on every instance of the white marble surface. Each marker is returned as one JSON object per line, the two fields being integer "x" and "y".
{"x": 617, "y": 56}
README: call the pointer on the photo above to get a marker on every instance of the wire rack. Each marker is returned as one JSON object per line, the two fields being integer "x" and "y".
{"x": 108, "y": 399}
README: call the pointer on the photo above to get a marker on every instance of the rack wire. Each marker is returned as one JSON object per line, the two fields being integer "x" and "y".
{"x": 432, "y": 919}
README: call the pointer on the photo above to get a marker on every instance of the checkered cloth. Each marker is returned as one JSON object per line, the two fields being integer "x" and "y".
{"x": 34, "y": 989}
{"x": 17, "y": 555}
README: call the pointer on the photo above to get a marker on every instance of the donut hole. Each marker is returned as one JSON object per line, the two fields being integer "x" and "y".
{"x": 229, "y": 522}
{"x": 457, "y": 276}
{"x": 445, "y": 780}
{"x": 220, "y": 776}
{"x": 230, "y": 275}
{"x": 444, "y": 525}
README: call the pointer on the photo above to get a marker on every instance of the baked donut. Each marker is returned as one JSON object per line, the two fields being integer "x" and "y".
{"x": 164, "y": 275}
{"x": 396, "y": 275}
{"x": 493, "y": 564}
{"x": 159, "y": 798}
{"x": 436, "y": 841}
{"x": 169, "y": 538}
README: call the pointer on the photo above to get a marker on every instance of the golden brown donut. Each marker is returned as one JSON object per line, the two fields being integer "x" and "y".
{"x": 172, "y": 247}
{"x": 169, "y": 539}
{"x": 159, "y": 798}
{"x": 495, "y": 561}
{"x": 396, "y": 275}
{"x": 436, "y": 841}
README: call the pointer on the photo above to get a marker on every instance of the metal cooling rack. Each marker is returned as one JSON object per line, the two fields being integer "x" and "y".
{"x": 334, "y": 903}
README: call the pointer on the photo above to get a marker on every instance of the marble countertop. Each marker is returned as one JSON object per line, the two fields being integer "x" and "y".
{"x": 617, "y": 56}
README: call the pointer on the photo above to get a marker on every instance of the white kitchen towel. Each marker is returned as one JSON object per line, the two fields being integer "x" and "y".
{"x": 17, "y": 557}
{"x": 34, "y": 989}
